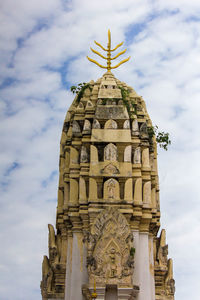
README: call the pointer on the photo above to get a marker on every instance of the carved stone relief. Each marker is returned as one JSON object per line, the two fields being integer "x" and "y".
{"x": 84, "y": 158}
{"x": 110, "y": 169}
{"x": 169, "y": 281}
{"x": 110, "y": 249}
{"x": 89, "y": 104}
{"x": 110, "y": 124}
{"x": 49, "y": 266}
{"x": 111, "y": 189}
{"x": 143, "y": 130}
{"x": 87, "y": 126}
{"x": 96, "y": 124}
{"x": 75, "y": 127}
{"x": 126, "y": 124}
{"x": 135, "y": 128}
{"x": 80, "y": 106}
{"x": 110, "y": 152}
{"x": 162, "y": 249}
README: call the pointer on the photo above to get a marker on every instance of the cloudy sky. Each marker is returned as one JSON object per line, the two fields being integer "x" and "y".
{"x": 43, "y": 48}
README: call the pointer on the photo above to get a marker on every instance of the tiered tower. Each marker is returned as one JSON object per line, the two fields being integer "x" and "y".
{"x": 108, "y": 214}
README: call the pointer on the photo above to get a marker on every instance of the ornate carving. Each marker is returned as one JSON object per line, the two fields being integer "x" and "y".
{"x": 143, "y": 130}
{"x": 76, "y": 128}
{"x": 135, "y": 128}
{"x": 110, "y": 259}
{"x": 162, "y": 250}
{"x": 110, "y": 124}
{"x": 47, "y": 276}
{"x": 110, "y": 152}
{"x": 110, "y": 169}
{"x": 53, "y": 251}
{"x": 126, "y": 124}
{"x": 169, "y": 281}
{"x": 96, "y": 124}
{"x": 84, "y": 157}
{"x": 111, "y": 189}
{"x": 87, "y": 127}
{"x": 86, "y": 292}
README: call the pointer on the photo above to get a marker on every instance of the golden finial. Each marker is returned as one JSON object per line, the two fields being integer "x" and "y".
{"x": 94, "y": 294}
{"x": 108, "y": 58}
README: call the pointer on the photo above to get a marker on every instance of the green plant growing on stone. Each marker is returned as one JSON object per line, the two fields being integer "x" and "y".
{"x": 129, "y": 104}
{"x": 132, "y": 251}
{"x": 80, "y": 89}
{"x": 162, "y": 138}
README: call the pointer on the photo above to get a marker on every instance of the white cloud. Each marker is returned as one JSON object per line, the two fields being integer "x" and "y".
{"x": 44, "y": 44}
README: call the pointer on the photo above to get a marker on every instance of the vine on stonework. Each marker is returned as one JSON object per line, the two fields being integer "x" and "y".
{"x": 80, "y": 89}
{"x": 162, "y": 138}
{"x": 132, "y": 251}
{"x": 129, "y": 104}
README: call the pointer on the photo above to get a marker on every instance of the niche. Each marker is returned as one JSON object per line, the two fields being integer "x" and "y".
{"x": 110, "y": 124}
{"x": 110, "y": 152}
{"x": 111, "y": 189}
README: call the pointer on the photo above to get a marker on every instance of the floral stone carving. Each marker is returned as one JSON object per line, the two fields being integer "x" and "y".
{"x": 110, "y": 257}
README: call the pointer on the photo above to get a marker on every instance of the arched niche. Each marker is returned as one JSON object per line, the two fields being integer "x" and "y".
{"x": 135, "y": 127}
{"x": 110, "y": 152}
{"x": 110, "y": 124}
{"x": 137, "y": 156}
{"x": 89, "y": 105}
{"x": 74, "y": 156}
{"x": 147, "y": 192}
{"x": 76, "y": 128}
{"x": 80, "y": 106}
{"x": 127, "y": 153}
{"x": 84, "y": 157}
{"x": 111, "y": 189}
{"x": 96, "y": 124}
{"x": 93, "y": 154}
{"x": 87, "y": 127}
{"x": 126, "y": 124}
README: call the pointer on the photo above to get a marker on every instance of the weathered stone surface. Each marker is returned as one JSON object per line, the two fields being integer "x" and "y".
{"x": 137, "y": 156}
{"x": 111, "y": 112}
{"x": 96, "y": 124}
{"x": 128, "y": 153}
{"x": 108, "y": 194}
{"x": 84, "y": 155}
{"x": 110, "y": 124}
{"x": 87, "y": 127}
{"x": 126, "y": 124}
{"x": 135, "y": 127}
{"x": 110, "y": 152}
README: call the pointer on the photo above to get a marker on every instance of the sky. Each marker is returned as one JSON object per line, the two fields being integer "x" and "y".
{"x": 43, "y": 51}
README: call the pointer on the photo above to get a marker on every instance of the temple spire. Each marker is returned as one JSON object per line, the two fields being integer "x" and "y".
{"x": 108, "y": 57}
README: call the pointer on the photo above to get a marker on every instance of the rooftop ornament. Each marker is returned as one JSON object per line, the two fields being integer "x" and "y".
{"x": 108, "y": 58}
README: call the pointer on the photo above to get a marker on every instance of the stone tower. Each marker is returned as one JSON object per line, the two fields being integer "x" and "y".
{"x": 108, "y": 212}
{"x": 106, "y": 246}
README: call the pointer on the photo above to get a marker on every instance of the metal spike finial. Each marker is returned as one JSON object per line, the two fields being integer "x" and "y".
{"x": 108, "y": 57}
